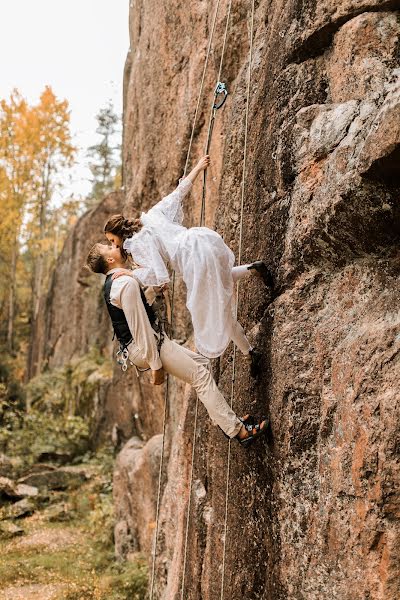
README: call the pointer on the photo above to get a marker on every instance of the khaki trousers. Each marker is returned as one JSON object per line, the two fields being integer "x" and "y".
{"x": 194, "y": 369}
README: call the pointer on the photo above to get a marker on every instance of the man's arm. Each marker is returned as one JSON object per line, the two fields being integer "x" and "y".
{"x": 125, "y": 292}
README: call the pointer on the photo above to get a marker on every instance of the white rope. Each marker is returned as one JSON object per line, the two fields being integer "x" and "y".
{"x": 202, "y": 215}
{"x": 237, "y": 290}
{"x": 154, "y": 550}
{"x": 212, "y": 117}
{"x": 201, "y": 85}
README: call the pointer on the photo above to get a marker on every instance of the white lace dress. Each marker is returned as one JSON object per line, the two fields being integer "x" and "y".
{"x": 200, "y": 255}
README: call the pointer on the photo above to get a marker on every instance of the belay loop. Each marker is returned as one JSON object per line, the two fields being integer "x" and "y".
{"x": 220, "y": 89}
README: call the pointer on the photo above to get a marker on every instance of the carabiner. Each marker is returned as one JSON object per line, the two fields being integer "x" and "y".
{"x": 122, "y": 358}
{"x": 220, "y": 89}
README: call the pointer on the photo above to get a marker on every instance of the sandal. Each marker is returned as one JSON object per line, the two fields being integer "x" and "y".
{"x": 250, "y": 424}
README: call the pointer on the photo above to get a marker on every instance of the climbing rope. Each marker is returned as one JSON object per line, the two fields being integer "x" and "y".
{"x": 166, "y": 394}
{"x": 219, "y": 89}
{"x": 201, "y": 85}
{"x": 237, "y": 287}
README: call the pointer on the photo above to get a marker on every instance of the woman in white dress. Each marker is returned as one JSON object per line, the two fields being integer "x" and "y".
{"x": 200, "y": 255}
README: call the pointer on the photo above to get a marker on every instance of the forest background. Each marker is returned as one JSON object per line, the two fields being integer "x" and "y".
{"x": 36, "y": 150}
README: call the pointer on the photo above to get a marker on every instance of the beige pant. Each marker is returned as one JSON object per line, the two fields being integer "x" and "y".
{"x": 194, "y": 369}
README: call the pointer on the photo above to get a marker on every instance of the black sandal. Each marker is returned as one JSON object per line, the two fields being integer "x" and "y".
{"x": 250, "y": 423}
{"x": 263, "y": 271}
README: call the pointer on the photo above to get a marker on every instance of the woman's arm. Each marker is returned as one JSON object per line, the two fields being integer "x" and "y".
{"x": 171, "y": 205}
{"x": 201, "y": 166}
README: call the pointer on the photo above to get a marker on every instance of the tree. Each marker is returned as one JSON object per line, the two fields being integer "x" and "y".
{"x": 16, "y": 169}
{"x": 106, "y": 162}
{"x": 35, "y": 148}
{"x": 51, "y": 151}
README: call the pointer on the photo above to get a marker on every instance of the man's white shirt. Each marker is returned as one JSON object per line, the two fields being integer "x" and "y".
{"x": 125, "y": 294}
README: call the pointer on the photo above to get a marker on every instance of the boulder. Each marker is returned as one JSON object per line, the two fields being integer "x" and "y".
{"x": 11, "y": 490}
{"x": 135, "y": 484}
{"x": 22, "y": 508}
{"x": 59, "y": 512}
{"x": 9, "y": 530}
{"x": 55, "y": 479}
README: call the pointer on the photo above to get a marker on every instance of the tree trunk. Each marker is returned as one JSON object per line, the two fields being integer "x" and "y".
{"x": 11, "y": 298}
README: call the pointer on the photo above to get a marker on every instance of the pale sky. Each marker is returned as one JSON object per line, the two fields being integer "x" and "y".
{"x": 78, "y": 47}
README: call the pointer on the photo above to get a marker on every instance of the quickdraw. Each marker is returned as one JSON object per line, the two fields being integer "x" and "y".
{"x": 122, "y": 356}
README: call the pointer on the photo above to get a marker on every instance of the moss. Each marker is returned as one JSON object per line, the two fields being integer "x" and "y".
{"x": 45, "y": 434}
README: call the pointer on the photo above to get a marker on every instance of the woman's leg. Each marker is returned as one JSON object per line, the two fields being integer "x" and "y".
{"x": 240, "y": 272}
{"x": 258, "y": 268}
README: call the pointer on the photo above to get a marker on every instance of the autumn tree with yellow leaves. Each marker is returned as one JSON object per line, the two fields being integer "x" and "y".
{"x": 35, "y": 149}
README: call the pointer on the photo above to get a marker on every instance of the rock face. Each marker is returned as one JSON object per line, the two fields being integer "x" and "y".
{"x": 313, "y": 511}
{"x": 135, "y": 487}
{"x": 72, "y": 318}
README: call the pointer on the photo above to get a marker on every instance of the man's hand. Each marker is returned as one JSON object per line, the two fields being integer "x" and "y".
{"x": 121, "y": 272}
{"x": 158, "y": 377}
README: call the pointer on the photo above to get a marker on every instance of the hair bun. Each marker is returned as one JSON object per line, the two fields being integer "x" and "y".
{"x": 122, "y": 227}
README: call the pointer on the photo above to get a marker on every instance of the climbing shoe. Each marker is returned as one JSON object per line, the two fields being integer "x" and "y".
{"x": 255, "y": 362}
{"x": 261, "y": 268}
{"x": 254, "y": 429}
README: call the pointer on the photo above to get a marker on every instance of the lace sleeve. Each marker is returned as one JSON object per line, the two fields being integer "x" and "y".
{"x": 171, "y": 205}
{"x": 152, "y": 269}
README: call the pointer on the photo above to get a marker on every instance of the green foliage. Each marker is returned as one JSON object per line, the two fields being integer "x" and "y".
{"x": 60, "y": 407}
{"x": 129, "y": 580}
{"x": 70, "y": 389}
{"x": 105, "y": 163}
{"x": 45, "y": 433}
{"x": 101, "y": 522}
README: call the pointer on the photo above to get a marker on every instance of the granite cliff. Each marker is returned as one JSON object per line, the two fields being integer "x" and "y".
{"x": 313, "y": 508}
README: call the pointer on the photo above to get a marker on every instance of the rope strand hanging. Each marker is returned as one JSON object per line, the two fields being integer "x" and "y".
{"x": 220, "y": 88}
{"x": 237, "y": 288}
{"x": 166, "y": 394}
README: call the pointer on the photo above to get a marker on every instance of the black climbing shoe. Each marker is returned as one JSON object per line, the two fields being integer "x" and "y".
{"x": 254, "y": 429}
{"x": 255, "y": 364}
{"x": 263, "y": 271}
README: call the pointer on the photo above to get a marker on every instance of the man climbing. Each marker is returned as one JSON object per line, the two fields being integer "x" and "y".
{"x": 148, "y": 347}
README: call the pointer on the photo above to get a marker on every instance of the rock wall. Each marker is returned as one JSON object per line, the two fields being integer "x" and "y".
{"x": 72, "y": 318}
{"x": 313, "y": 511}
